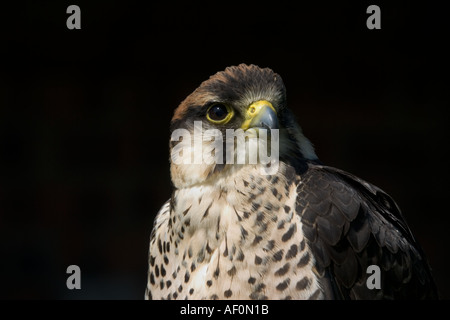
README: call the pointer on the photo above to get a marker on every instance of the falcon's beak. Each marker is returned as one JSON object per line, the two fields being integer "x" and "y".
{"x": 261, "y": 114}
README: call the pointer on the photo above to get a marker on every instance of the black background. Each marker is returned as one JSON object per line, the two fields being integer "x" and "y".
{"x": 84, "y": 121}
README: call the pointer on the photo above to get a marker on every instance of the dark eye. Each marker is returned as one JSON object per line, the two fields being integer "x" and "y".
{"x": 219, "y": 113}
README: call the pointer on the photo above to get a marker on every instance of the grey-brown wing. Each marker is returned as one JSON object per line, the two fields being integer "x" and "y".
{"x": 349, "y": 225}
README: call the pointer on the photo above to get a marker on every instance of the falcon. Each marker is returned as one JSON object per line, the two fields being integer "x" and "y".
{"x": 303, "y": 231}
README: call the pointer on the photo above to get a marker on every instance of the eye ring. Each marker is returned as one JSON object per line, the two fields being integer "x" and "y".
{"x": 219, "y": 113}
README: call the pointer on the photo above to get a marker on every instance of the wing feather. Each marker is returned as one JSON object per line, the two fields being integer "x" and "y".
{"x": 350, "y": 224}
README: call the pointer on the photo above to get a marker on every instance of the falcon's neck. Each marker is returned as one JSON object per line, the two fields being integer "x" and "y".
{"x": 234, "y": 211}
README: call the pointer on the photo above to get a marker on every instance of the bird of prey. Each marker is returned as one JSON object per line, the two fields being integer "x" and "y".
{"x": 305, "y": 231}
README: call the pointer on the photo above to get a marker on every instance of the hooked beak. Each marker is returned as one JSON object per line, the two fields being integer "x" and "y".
{"x": 261, "y": 114}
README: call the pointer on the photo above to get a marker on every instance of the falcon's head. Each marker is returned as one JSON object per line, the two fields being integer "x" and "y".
{"x": 240, "y": 97}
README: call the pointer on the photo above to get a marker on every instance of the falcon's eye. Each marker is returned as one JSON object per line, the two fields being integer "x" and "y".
{"x": 219, "y": 113}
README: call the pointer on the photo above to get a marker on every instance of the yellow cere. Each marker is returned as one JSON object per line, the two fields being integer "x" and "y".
{"x": 253, "y": 110}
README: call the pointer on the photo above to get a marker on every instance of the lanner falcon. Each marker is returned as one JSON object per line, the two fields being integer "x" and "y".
{"x": 306, "y": 231}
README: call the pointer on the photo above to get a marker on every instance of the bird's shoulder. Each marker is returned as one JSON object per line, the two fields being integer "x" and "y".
{"x": 351, "y": 224}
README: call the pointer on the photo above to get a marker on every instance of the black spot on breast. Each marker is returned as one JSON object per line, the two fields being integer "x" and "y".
{"x": 303, "y": 260}
{"x": 160, "y": 246}
{"x": 174, "y": 275}
{"x": 257, "y": 296}
{"x": 163, "y": 271}
{"x": 186, "y": 211}
{"x": 303, "y": 284}
{"x": 283, "y": 270}
{"x": 251, "y": 280}
{"x": 157, "y": 271}
{"x": 168, "y": 283}
{"x": 287, "y": 298}
{"x": 260, "y": 216}
{"x": 166, "y": 260}
{"x": 161, "y": 284}
{"x": 241, "y": 256}
{"x": 270, "y": 245}
{"x": 209, "y": 283}
{"x": 238, "y": 216}
{"x": 180, "y": 288}
{"x": 289, "y": 233}
{"x": 245, "y": 183}
{"x": 257, "y": 240}
{"x": 208, "y": 249}
{"x": 278, "y": 255}
{"x": 302, "y": 245}
{"x": 281, "y": 224}
{"x": 233, "y": 250}
{"x": 274, "y": 191}
{"x": 152, "y": 261}
{"x": 263, "y": 228}
{"x": 193, "y": 266}
{"x": 218, "y": 228}
{"x": 283, "y": 285}
{"x": 152, "y": 278}
{"x": 261, "y": 189}
{"x": 275, "y": 179}
{"x": 225, "y": 252}
{"x": 201, "y": 256}
{"x": 186, "y": 276}
{"x": 254, "y": 295}
{"x": 187, "y": 222}
{"x": 191, "y": 291}
{"x": 258, "y": 260}
{"x": 216, "y": 272}
{"x": 287, "y": 209}
{"x": 292, "y": 252}
{"x": 228, "y": 293}
{"x": 214, "y": 297}
{"x": 232, "y": 271}
{"x": 260, "y": 287}
{"x": 175, "y": 295}
{"x": 255, "y": 206}
{"x": 244, "y": 233}
{"x": 207, "y": 211}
